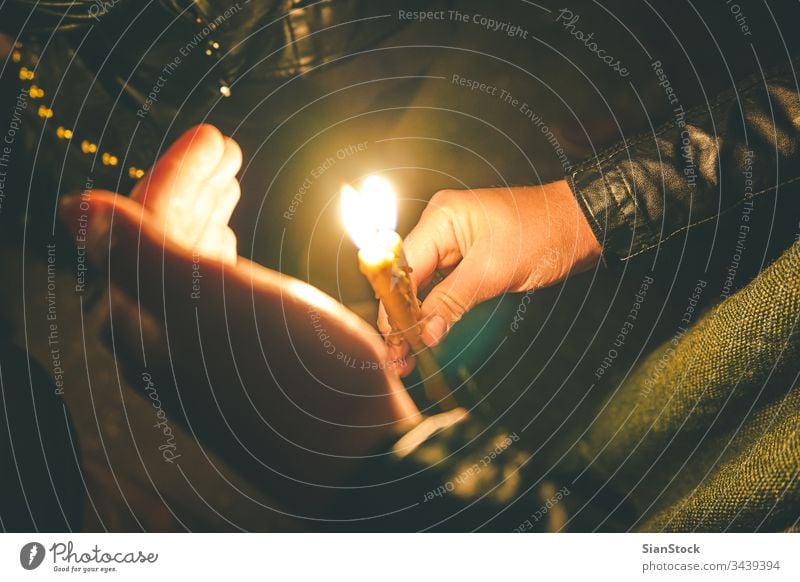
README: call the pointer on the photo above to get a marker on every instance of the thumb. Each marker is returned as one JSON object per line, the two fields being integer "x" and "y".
{"x": 90, "y": 221}
{"x": 469, "y": 284}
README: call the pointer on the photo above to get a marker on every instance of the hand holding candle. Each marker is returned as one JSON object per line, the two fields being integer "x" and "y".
{"x": 370, "y": 217}
{"x": 470, "y": 246}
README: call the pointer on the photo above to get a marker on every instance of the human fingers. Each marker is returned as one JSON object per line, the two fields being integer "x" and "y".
{"x": 185, "y": 165}
{"x": 435, "y": 244}
{"x": 470, "y": 283}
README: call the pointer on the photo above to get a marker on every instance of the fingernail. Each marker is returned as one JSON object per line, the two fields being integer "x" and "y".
{"x": 434, "y": 331}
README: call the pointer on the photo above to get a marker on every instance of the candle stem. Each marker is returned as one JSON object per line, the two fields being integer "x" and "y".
{"x": 436, "y": 387}
{"x": 389, "y": 276}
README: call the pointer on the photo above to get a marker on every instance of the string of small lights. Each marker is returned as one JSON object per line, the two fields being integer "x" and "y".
{"x": 36, "y": 92}
{"x": 88, "y": 146}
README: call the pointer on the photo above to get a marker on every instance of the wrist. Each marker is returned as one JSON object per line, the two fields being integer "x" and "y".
{"x": 578, "y": 240}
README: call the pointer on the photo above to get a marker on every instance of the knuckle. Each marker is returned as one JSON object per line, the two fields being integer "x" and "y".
{"x": 443, "y": 197}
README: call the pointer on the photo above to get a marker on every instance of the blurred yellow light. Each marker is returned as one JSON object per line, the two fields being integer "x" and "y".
{"x": 63, "y": 132}
{"x": 109, "y": 159}
{"x": 369, "y": 212}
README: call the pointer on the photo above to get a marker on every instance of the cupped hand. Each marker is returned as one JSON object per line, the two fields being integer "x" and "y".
{"x": 193, "y": 190}
{"x": 261, "y": 363}
{"x": 487, "y": 242}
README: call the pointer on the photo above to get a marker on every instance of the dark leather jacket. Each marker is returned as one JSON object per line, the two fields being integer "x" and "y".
{"x": 698, "y": 166}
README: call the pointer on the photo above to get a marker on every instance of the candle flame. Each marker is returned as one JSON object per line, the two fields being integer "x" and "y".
{"x": 369, "y": 211}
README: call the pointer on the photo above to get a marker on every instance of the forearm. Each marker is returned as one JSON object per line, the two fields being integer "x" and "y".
{"x": 694, "y": 168}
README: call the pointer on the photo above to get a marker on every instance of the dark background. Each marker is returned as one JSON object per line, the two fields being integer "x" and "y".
{"x": 392, "y": 89}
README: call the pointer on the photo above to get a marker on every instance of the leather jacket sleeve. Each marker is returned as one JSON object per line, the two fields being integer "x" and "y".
{"x": 702, "y": 163}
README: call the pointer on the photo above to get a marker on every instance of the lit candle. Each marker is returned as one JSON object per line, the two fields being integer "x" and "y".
{"x": 370, "y": 217}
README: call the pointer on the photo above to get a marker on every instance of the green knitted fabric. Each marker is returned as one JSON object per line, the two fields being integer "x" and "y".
{"x": 704, "y": 435}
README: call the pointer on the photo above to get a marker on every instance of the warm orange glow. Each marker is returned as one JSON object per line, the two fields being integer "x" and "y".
{"x": 370, "y": 213}
{"x": 370, "y": 217}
